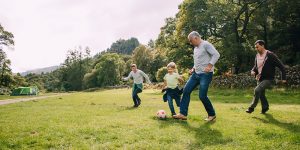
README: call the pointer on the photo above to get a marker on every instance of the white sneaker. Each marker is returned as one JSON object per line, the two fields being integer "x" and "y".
{"x": 210, "y": 118}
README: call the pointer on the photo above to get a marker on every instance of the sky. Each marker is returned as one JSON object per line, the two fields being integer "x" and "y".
{"x": 44, "y": 30}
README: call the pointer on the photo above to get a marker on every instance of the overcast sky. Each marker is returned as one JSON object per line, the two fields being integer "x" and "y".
{"x": 45, "y": 30}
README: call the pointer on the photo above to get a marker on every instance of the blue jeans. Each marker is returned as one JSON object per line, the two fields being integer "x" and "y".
{"x": 204, "y": 80}
{"x": 173, "y": 94}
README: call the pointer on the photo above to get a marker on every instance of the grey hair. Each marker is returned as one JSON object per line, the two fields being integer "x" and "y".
{"x": 194, "y": 34}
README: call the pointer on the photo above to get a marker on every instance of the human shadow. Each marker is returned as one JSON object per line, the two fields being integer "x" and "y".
{"x": 288, "y": 126}
{"x": 204, "y": 135}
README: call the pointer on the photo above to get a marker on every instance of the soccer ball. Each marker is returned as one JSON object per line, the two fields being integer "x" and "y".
{"x": 161, "y": 114}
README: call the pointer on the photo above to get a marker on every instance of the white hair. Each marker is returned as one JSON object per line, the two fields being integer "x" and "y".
{"x": 194, "y": 34}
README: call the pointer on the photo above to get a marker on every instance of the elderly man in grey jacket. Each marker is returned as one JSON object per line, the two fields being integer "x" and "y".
{"x": 205, "y": 57}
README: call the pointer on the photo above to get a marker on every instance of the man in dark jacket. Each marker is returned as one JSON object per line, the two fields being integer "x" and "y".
{"x": 264, "y": 72}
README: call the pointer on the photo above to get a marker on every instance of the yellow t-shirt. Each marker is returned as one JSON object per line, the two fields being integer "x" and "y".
{"x": 172, "y": 80}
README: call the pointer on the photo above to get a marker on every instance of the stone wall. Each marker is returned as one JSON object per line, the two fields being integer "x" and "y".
{"x": 245, "y": 80}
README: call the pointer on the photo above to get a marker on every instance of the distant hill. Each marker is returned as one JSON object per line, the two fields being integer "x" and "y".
{"x": 124, "y": 46}
{"x": 40, "y": 70}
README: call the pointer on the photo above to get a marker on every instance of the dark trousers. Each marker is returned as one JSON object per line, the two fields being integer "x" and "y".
{"x": 135, "y": 97}
{"x": 259, "y": 93}
{"x": 173, "y": 94}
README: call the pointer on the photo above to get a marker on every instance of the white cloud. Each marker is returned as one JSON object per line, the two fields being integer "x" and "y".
{"x": 45, "y": 30}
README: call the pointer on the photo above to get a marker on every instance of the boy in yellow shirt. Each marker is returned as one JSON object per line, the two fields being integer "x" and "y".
{"x": 171, "y": 81}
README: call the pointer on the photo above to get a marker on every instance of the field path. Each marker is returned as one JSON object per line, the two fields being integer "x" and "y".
{"x": 11, "y": 101}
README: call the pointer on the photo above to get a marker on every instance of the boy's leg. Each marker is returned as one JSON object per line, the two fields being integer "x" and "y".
{"x": 170, "y": 102}
{"x": 138, "y": 90}
{"x": 134, "y": 98}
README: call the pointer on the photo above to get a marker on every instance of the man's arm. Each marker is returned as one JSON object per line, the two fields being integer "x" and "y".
{"x": 129, "y": 76}
{"x": 280, "y": 65}
{"x": 215, "y": 55}
{"x": 254, "y": 70}
{"x": 146, "y": 77}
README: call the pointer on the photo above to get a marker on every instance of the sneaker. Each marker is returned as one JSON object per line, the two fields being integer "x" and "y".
{"x": 249, "y": 110}
{"x": 263, "y": 111}
{"x": 173, "y": 115}
{"x": 180, "y": 116}
{"x": 210, "y": 118}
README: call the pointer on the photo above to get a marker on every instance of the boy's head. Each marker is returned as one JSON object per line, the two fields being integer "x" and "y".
{"x": 171, "y": 67}
{"x": 133, "y": 67}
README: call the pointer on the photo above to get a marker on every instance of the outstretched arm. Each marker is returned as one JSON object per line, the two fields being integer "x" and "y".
{"x": 129, "y": 76}
{"x": 146, "y": 77}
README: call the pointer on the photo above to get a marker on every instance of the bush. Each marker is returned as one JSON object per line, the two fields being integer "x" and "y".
{"x": 161, "y": 73}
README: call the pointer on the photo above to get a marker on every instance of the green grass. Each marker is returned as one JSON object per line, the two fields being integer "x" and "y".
{"x": 105, "y": 120}
{"x": 6, "y": 97}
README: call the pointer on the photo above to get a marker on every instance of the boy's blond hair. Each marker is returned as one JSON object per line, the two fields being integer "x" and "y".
{"x": 172, "y": 65}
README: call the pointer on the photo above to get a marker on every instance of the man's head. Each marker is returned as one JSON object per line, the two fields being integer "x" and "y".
{"x": 133, "y": 67}
{"x": 260, "y": 46}
{"x": 194, "y": 38}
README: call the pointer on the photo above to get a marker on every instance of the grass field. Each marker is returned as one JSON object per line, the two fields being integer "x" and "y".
{"x": 105, "y": 120}
{"x": 6, "y": 97}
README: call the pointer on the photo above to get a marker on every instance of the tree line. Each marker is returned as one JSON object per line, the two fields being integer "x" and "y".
{"x": 231, "y": 25}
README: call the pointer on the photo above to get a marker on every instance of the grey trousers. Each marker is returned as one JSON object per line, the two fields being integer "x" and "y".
{"x": 259, "y": 93}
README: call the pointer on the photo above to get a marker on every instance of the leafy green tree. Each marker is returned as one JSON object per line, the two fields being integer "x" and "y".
{"x": 76, "y": 65}
{"x": 142, "y": 56}
{"x": 6, "y": 39}
{"x": 107, "y": 72}
{"x": 124, "y": 46}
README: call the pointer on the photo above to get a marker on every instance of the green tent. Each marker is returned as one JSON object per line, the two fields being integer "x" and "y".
{"x": 25, "y": 91}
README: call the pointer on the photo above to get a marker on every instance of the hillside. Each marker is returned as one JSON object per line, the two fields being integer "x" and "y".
{"x": 40, "y": 70}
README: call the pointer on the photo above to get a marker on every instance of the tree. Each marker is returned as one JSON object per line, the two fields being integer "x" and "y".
{"x": 6, "y": 39}
{"x": 107, "y": 72}
{"x": 124, "y": 46}
{"x": 142, "y": 56}
{"x": 73, "y": 70}
{"x": 233, "y": 26}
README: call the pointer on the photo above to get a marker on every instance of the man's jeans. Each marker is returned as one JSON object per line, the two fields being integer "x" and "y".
{"x": 204, "y": 80}
{"x": 259, "y": 93}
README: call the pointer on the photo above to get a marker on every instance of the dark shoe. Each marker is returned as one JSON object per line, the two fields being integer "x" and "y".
{"x": 135, "y": 106}
{"x": 263, "y": 111}
{"x": 250, "y": 110}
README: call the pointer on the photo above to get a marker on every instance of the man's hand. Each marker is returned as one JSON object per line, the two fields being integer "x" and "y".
{"x": 252, "y": 73}
{"x": 191, "y": 70}
{"x": 208, "y": 68}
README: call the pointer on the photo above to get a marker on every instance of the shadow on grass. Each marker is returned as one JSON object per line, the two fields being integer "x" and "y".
{"x": 288, "y": 126}
{"x": 125, "y": 108}
{"x": 205, "y": 136}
